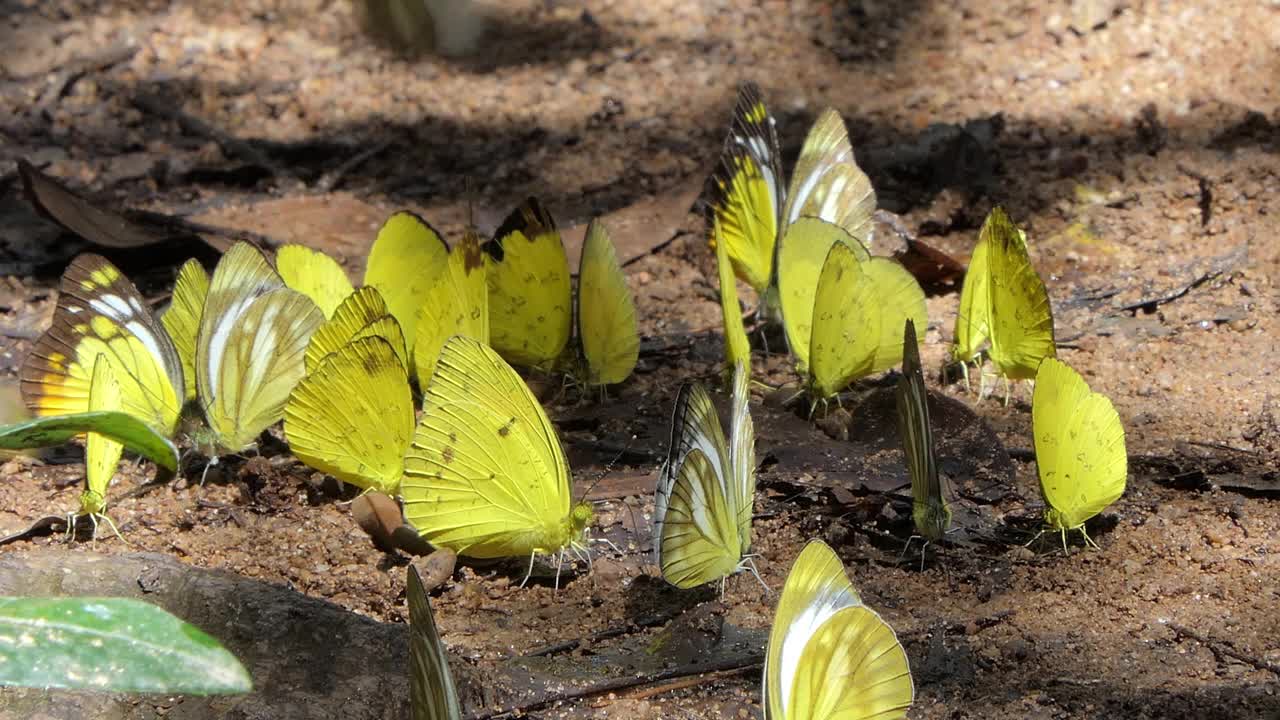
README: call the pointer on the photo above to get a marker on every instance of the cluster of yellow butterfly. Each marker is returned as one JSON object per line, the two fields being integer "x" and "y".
{"x": 804, "y": 251}
{"x": 848, "y": 315}
{"x": 254, "y": 344}
{"x": 482, "y": 471}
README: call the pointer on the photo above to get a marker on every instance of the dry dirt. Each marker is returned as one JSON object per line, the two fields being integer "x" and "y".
{"x": 1142, "y": 156}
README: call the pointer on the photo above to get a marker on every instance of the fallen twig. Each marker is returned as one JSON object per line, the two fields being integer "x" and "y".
{"x": 687, "y": 682}
{"x": 332, "y": 179}
{"x": 729, "y": 665}
{"x": 1217, "y": 266}
{"x": 230, "y": 144}
{"x": 633, "y": 626}
{"x": 1219, "y": 648}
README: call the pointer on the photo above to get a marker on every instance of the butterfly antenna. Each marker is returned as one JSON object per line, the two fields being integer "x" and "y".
{"x": 608, "y": 468}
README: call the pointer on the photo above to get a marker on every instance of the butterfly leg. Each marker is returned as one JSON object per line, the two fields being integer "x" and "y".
{"x": 111, "y": 524}
{"x": 610, "y": 543}
{"x": 749, "y": 563}
{"x": 1088, "y": 540}
{"x": 1008, "y": 390}
{"x": 1065, "y": 551}
{"x": 529, "y": 573}
{"x": 71, "y": 527}
{"x": 964, "y": 373}
{"x": 1035, "y": 538}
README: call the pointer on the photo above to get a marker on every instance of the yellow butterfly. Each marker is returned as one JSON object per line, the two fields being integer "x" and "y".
{"x": 607, "y": 329}
{"x": 182, "y": 318}
{"x": 973, "y": 319}
{"x": 929, "y": 509}
{"x": 100, "y": 312}
{"x": 314, "y": 274}
{"x": 829, "y": 655}
{"x": 1080, "y": 449}
{"x": 250, "y": 348}
{"x": 706, "y": 489}
{"x": 1021, "y": 316}
{"x": 457, "y": 303}
{"x": 737, "y": 348}
{"x": 486, "y": 475}
{"x": 530, "y": 319}
{"x": 530, "y": 312}
{"x": 753, "y": 211}
{"x": 859, "y": 307}
{"x": 403, "y": 264}
{"x": 801, "y": 258}
{"x": 361, "y": 314}
{"x": 432, "y": 693}
{"x": 101, "y": 453}
{"x": 352, "y": 416}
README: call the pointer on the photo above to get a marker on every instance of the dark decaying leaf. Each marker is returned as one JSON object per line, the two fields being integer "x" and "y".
{"x": 101, "y": 226}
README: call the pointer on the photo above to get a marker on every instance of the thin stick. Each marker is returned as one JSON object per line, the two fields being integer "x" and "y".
{"x": 1220, "y": 648}
{"x": 738, "y": 664}
{"x": 613, "y": 632}
{"x": 688, "y": 682}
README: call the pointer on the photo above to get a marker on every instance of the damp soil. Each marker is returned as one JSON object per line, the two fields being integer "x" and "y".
{"x": 1137, "y": 143}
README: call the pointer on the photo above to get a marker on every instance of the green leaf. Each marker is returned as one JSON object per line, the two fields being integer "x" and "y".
{"x": 113, "y": 644}
{"x": 125, "y": 429}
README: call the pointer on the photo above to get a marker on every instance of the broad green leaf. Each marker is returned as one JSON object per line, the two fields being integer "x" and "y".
{"x": 112, "y": 644}
{"x": 125, "y": 429}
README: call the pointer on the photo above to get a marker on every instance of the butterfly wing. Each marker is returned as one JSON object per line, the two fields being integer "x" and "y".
{"x": 352, "y": 417}
{"x": 403, "y": 263}
{"x": 928, "y": 506}
{"x": 182, "y": 318}
{"x": 846, "y": 324}
{"x": 852, "y": 667}
{"x": 485, "y": 475}
{"x": 100, "y": 312}
{"x": 606, "y": 311}
{"x": 432, "y": 694}
{"x": 248, "y": 373}
{"x": 457, "y": 304}
{"x": 315, "y": 275}
{"x": 695, "y": 525}
{"x": 742, "y": 456}
{"x": 737, "y": 348}
{"x": 1080, "y": 446}
{"x": 827, "y": 182}
{"x": 815, "y": 589}
{"x": 899, "y": 298}
{"x": 362, "y": 314}
{"x": 747, "y": 190}
{"x": 802, "y": 252}
{"x": 101, "y": 453}
{"x": 530, "y": 315}
{"x": 1021, "y": 316}
{"x": 973, "y": 319}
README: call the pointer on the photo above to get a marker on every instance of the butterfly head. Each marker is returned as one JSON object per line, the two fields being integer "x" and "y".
{"x": 932, "y": 519}
{"x": 92, "y": 502}
{"x": 1059, "y": 520}
{"x": 579, "y": 519}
